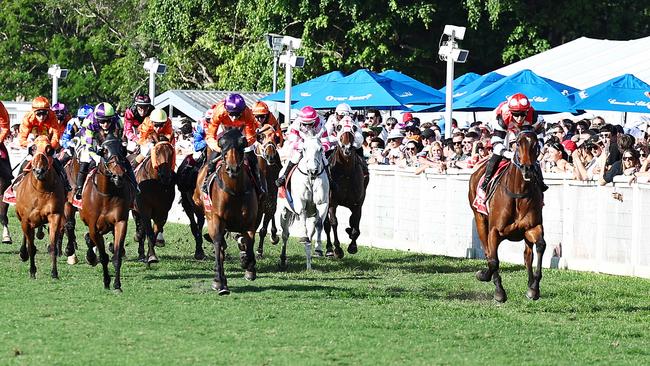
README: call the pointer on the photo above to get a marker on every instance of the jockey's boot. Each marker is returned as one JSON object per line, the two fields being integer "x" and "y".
{"x": 59, "y": 170}
{"x": 252, "y": 165}
{"x": 81, "y": 179}
{"x": 540, "y": 177}
{"x": 282, "y": 180}
{"x": 212, "y": 166}
{"x": 490, "y": 167}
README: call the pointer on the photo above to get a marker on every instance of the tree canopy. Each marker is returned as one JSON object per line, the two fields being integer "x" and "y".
{"x": 219, "y": 44}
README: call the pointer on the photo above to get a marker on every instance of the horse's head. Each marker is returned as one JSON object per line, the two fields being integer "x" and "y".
{"x": 42, "y": 159}
{"x": 113, "y": 170}
{"x": 268, "y": 143}
{"x": 232, "y": 145}
{"x": 526, "y": 152}
{"x": 346, "y": 130}
{"x": 163, "y": 159}
{"x": 312, "y": 157}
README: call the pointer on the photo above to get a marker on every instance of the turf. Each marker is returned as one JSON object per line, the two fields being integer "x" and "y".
{"x": 378, "y": 307}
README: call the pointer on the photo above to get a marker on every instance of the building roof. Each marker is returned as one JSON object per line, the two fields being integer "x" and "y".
{"x": 193, "y": 103}
{"x": 585, "y": 62}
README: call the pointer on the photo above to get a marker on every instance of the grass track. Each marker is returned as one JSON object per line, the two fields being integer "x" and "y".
{"x": 378, "y": 307}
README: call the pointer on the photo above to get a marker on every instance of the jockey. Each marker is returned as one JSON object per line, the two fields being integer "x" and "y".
{"x": 233, "y": 113}
{"x": 200, "y": 144}
{"x": 134, "y": 117}
{"x": 343, "y": 111}
{"x": 100, "y": 125}
{"x": 265, "y": 117}
{"x": 511, "y": 115}
{"x": 42, "y": 121}
{"x": 62, "y": 117}
{"x": 5, "y": 166}
{"x": 154, "y": 127}
{"x": 74, "y": 126}
{"x": 308, "y": 122}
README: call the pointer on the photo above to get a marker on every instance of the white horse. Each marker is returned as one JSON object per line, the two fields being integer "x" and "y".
{"x": 310, "y": 192}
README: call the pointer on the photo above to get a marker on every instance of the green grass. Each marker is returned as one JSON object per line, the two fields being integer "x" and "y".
{"x": 378, "y": 307}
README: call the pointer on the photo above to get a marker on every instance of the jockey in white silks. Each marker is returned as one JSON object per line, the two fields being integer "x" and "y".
{"x": 308, "y": 122}
{"x": 343, "y": 113}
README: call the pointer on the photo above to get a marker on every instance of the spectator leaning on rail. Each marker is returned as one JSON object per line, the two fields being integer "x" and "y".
{"x": 233, "y": 113}
{"x": 134, "y": 117}
{"x": 41, "y": 121}
{"x": 511, "y": 115}
{"x": 308, "y": 123}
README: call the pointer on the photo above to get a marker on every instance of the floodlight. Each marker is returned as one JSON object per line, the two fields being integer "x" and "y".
{"x": 274, "y": 42}
{"x": 292, "y": 42}
{"x": 459, "y": 55}
{"x": 153, "y": 65}
{"x": 57, "y": 72}
{"x": 456, "y": 31}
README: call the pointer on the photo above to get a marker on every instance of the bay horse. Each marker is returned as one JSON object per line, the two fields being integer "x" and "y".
{"x": 234, "y": 207}
{"x": 309, "y": 189}
{"x": 515, "y": 213}
{"x": 71, "y": 169}
{"x": 269, "y": 164}
{"x": 156, "y": 181}
{"x": 40, "y": 197}
{"x": 186, "y": 177}
{"x": 107, "y": 199}
{"x": 347, "y": 173}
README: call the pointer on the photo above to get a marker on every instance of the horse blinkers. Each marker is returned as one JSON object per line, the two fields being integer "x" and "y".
{"x": 529, "y": 151}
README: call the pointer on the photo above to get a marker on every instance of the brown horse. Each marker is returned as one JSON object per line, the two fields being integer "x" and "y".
{"x": 268, "y": 161}
{"x": 107, "y": 198}
{"x": 347, "y": 173}
{"x": 71, "y": 170}
{"x": 234, "y": 207}
{"x": 186, "y": 182}
{"x": 156, "y": 181}
{"x": 515, "y": 213}
{"x": 39, "y": 200}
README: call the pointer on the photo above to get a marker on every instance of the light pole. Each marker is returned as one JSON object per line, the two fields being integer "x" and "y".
{"x": 154, "y": 68}
{"x": 274, "y": 41}
{"x": 290, "y": 60}
{"x": 56, "y": 73}
{"x": 450, "y": 52}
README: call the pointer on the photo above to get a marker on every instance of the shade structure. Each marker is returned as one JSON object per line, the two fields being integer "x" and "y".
{"x": 625, "y": 93}
{"x": 365, "y": 88}
{"x": 478, "y": 84}
{"x": 461, "y": 81}
{"x": 402, "y": 78}
{"x": 543, "y": 96}
{"x": 305, "y": 89}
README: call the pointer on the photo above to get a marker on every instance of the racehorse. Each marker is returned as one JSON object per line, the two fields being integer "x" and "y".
{"x": 269, "y": 164}
{"x": 39, "y": 200}
{"x": 347, "y": 172}
{"x": 309, "y": 189}
{"x": 107, "y": 199}
{"x": 69, "y": 211}
{"x": 234, "y": 206}
{"x": 515, "y": 213}
{"x": 186, "y": 177}
{"x": 155, "y": 178}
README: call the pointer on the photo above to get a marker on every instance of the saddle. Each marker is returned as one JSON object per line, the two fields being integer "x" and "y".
{"x": 481, "y": 201}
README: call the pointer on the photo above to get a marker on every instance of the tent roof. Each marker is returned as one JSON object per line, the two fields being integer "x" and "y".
{"x": 585, "y": 62}
{"x": 194, "y": 103}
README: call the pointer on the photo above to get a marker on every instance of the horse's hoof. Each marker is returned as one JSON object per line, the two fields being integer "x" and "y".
{"x": 338, "y": 253}
{"x": 259, "y": 255}
{"x": 136, "y": 238}
{"x": 500, "y": 296}
{"x": 304, "y": 240}
{"x": 275, "y": 240}
{"x": 224, "y": 291}
{"x": 250, "y": 275}
{"x": 91, "y": 259}
{"x": 117, "y": 291}
{"x": 152, "y": 259}
{"x": 7, "y": 240}
{"x": 318, "y": 253}
{"x": 141, "y": 259}
{"x": 352, "y": 249}
{"x": 532, "y": 294}
{"x": 39, "y": 233}
{"x": 199, "y": 256}
{"x": 160, "y": 243}
{"x": 23, "y": 254}
{"x": 55, "y": 275}
{"x": 69, "y": 250}
{"x": 282, "y": 266}
{"x": 32, "y": 275}
{"x": 329, "y": 253}
{"x": 481, "y": 276}
{"x": 72, "y": 259}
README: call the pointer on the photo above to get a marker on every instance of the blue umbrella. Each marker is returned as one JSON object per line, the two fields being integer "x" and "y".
{"x": 461, "y": 81}
{"x": 305, "y": 89}
{"x": 625, "y": 93}
{"x": 542, "y": 95}
{"x": 367, "y": 89}
{"x": 405, "y": 79}
{"x": 478, "y": 84}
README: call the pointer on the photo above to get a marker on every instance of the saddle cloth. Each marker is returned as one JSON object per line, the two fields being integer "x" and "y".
{"x": 284, "y": 192}
{"x": 205, "y": 197}
{"x": 481, "y": 200}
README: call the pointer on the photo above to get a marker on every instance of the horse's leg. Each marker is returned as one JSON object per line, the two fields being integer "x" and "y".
{"x": 69, "y": 216}
{"x": 139, "y": 236}
{"x": 536, "y": 235}
{"x": 24, "y": 255}
{"x": 55, "y": 221}
{"x": 119, "y": 234}
{"x": 145, "y": 220}
{"x": 528, "y": 260}
{"x": 98, "y": 239}
{"x": 319, "y": 224}
{"x": 216, "y": 232}
{"x": 482, "y": 230}
{"x": 249, "y": 265}
{"x": 91, "y": 257}
{"x": 275, "y": 239}
{"x": 158, "y": 234}
{"x": 493, "y": 265}
{"x": 329, "y": 252}
{"x": 355, "y": 219}
{"x": 285, "y": 222}
{"x": 4, "y": 220}
{"x": 28, "y": 232}
{"x": 338, "y": 252}
{"x": 262, "y": 218}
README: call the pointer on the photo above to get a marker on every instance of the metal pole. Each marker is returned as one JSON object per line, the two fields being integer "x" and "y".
{"x": 55, "y": 89}
{"x": 275, "y": 71}
{"x": 450, "y": 87}
{"x": 152, "y": 84}
{"x": 287, "y": 87}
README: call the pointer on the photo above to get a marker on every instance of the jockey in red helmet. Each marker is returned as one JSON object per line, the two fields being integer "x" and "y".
{"x": 511, "y": 115}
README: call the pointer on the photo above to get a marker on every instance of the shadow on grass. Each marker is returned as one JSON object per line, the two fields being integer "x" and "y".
{"x": 422, "y": 263}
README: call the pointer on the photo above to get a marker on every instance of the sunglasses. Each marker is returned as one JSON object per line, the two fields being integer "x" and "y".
{"x": 260, "y": 117}
{"x": 41, "y": 113}
{"x": 627, "y": 158}
{"x": 369, "y": 117}
{"x": 411, "y": 148}
{"x": 458, "y": 143}
{"x": 519, "y": 114}
{"x": 234, "y": 115}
